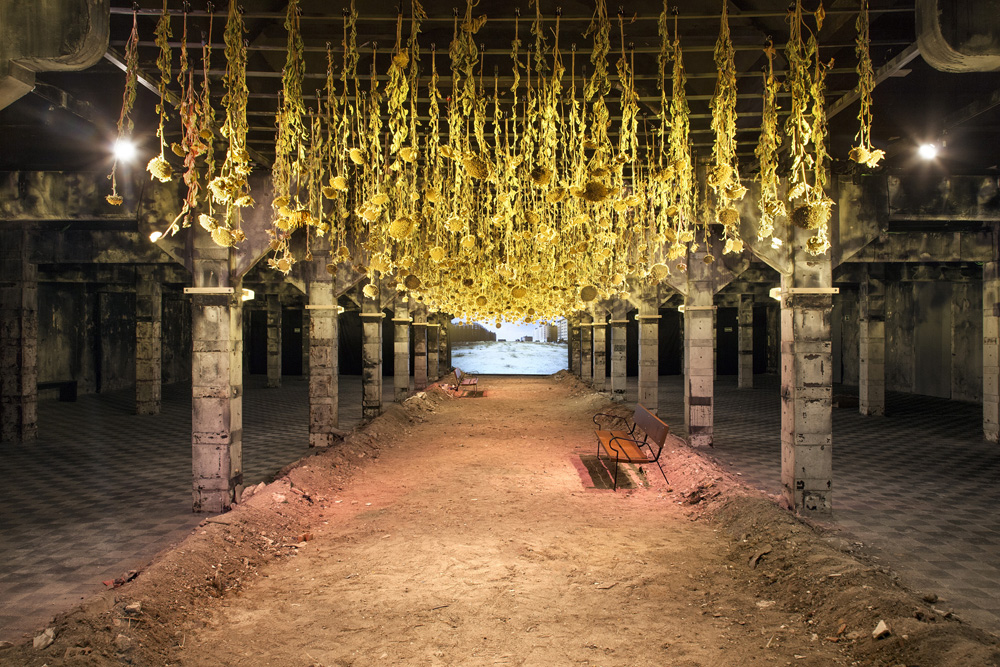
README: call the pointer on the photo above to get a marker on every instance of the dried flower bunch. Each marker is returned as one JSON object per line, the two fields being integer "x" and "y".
{"x": 519, "y": 203}
{"x": 125, "y": 123}
{"x": 863, "y": 153}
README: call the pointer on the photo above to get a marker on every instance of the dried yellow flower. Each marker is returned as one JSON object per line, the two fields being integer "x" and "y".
{"x": 469, "y": 242}
{"x": 114, "y": 200}
{"x": 160, "y": 169}
{"x": 729, "y": 217}
{"x": 401, "y": 228}
{"x": 207, "y": 221}
{"x": 588, "y": 293}
{"x": 357, "y": 156}
{"x": 177, "y": 149}
{"x": 222, "y": 237}
{"x": 412, "y": 282}
{"x": 660, "y": 271}
{"x": 437, "y": 253}
{"x": 408, "y": 154}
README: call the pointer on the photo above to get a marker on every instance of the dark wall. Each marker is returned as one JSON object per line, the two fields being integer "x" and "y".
{"x": 671, "y": 355}
{"x": 65, "y": 336}
{"x": 176, "y": 335}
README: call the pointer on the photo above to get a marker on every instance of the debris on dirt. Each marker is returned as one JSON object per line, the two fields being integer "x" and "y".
{"x": 45, "y": 639}
{"x": 881, "y": 630}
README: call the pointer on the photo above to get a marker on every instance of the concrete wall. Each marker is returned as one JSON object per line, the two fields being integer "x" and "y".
{"x": 65, "y": 336}
{"x": 845, "y": 332}
{"x": 89, "y": 336}
{"x": 934, "y": 345}
{"x": 176, "y": 328}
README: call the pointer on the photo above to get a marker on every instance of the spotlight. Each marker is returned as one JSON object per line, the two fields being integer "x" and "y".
{"x": 155, "y": 236}
{"x": 927, "y": 151}
{"x": 124, "y": 150}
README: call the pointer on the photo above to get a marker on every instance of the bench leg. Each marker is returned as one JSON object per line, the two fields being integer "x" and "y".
{"x": 616, "y": 473}
{"x": 662, "y": 473}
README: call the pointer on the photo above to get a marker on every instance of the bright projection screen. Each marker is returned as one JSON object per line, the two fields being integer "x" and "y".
{"x": 515, "y": 348}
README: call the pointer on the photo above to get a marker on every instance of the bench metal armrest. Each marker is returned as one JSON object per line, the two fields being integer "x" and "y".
{"x": 624, "y": 420}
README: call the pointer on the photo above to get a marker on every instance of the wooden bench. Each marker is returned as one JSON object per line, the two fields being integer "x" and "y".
{"x": 465, "y": 383}
{"x": 626, "y": 446}
{"x": 67, "y": 388}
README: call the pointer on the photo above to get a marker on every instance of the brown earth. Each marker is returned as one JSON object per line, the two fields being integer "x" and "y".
{"x": 464, "y": 532}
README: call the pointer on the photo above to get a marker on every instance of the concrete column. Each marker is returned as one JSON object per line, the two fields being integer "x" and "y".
{"x": 444, "y": 348}
{"x": 871, "y": 373}
{"x": 573, "y": 345}
{"x": 273, "y": 340}
{"x": 600, "y": 328}
{"x": 745, "y": 370}
{"x": 649, "y": 354}
{"x": 618, "y": 350}
{"x": 586, "y": 348}
{"x": 401, "y": 350}
{"x": 217, "y": 396}
{"x": 433, "y": 342}
{"x": 991, "y": 351}
{"x": 324, "y": 364}
{"x": 699, "y": 352}
{"x": 148, "y": 322}
{"x": 371, "y": 358}
{"x": 420, "y": 348}
{"x": 807, "y": 387}
{"x": 18, "y": 339}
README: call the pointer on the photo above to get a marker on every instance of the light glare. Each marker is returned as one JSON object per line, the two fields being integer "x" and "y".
{"x": 928, "y": 151}
{"x": 124, "y": 150}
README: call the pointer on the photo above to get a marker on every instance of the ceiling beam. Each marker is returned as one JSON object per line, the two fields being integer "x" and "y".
{"x": 147, "y": 82}
{"x": 884, "y": 72}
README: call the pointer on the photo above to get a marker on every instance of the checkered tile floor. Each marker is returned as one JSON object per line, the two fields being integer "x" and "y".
{"x": 102, "y": 490}
{"x": 918, "y": 487}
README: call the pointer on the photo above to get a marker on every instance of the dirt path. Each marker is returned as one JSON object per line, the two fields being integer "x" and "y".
{"x": 473, "y": 541}
{"x": 467, "y": 532}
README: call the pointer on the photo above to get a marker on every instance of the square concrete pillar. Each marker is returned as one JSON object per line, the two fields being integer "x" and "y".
{"x": 745, "y": 369}
{"x": 573, "y": 347}
{"x": 324, "y": 363}
{"x": 991, "y": 351}
{"x": 216, "y": 396}
{"x": 871, "y": 371}
{"x": 586, "y": 349}
{"x": 371, "y": 358}
{"x": 619, "y": 348}
{"x": 148, "y": 323}
{"x": 401, "y": 350}
{"x": 420, "y": 348}
{"x": 600, "y": 331}
{"x": 699, "y": 368}
{"x": 18, "y": 338}
{"x": 444, "y": 348}
{"x": 273, "y": 340}
{"x": 807, "y": 388}
{"x": 433, "y": 341}
{"x": 649, "y": 355}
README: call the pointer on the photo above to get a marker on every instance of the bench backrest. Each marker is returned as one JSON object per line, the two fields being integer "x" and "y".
{"x": 656, "y": 429}
{"x": 458, "y": 374}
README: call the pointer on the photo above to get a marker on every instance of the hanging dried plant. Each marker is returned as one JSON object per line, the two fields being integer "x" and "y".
{"x": 125, "y": 124}
{"x": 724, "y": 176}
{"x": 158, "y": 167}
{"x": 864, "y": 153}
{"x": 770, "y": 204}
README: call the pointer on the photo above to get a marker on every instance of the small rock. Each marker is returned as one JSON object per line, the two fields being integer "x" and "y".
{"x": 133, "y": 608}
{"x": 5, "y": 645}
{"x": 45, "y": 639}
{"x": 123, "y": 643}
{"x": 278, "y": 497}
{"x": 881, "y": 630}
{"x": 930, "y": 598}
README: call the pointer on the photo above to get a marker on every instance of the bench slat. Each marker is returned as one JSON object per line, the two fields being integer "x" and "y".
{"x": 629, "y": 451}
